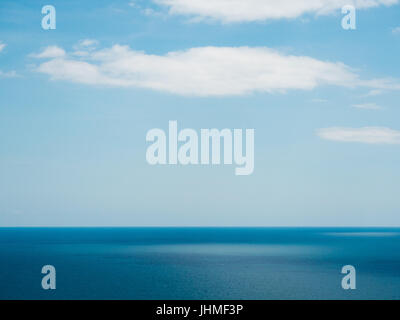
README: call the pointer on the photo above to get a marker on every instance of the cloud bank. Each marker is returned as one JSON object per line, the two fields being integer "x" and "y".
{"x": 370, "y": 135}
{"x": 259, "y": 10}
{"x": 203, "y": 71}
{"x": 2, "y": 46}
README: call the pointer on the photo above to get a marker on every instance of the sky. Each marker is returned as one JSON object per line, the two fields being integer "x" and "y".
{"x": 76, "y": 103}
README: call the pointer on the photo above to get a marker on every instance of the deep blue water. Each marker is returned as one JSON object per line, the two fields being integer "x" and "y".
{"x": 200, "y": 263}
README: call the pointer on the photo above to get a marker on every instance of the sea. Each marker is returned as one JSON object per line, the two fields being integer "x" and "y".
{"x": 200, "y": 263}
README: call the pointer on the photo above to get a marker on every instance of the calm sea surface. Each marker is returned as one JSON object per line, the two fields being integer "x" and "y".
{"x": 200, "y": 263}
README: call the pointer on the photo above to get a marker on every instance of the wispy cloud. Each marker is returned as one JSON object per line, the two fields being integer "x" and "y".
{"x": 9, "y": 74}
{"x": 145, "y": 9}
{"x": 6, "y": 74}
{"x": 396, "y": 30}
{"x": 204, "y": 71}
{"x": 370, "y": 135}
{"x": 259, "y": 10}
{"x": 89, "y": 44}
{"x": 367, "y": 106}
{"x": 84, "y": 47}
{"x": 318, "y": 100}
{"x": 374, "y": 92}
{"x": 132, "y": 3}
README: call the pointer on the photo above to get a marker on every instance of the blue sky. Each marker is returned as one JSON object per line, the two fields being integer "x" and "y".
{"x": 72, "y": 130}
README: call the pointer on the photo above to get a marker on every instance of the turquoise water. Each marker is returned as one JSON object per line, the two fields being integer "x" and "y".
{"x": 200, "y": 263}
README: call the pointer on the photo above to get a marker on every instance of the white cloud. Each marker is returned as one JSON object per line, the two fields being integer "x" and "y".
{"x": 371, "y": 135}
{"x": 259, "y": 10}
{"x": 396, "y": 30}
{"x": 204, "y": 71}
{"x": 2, "y": 46}
{"x": 50, "y": 52}
{"x": 368, "y": 106}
